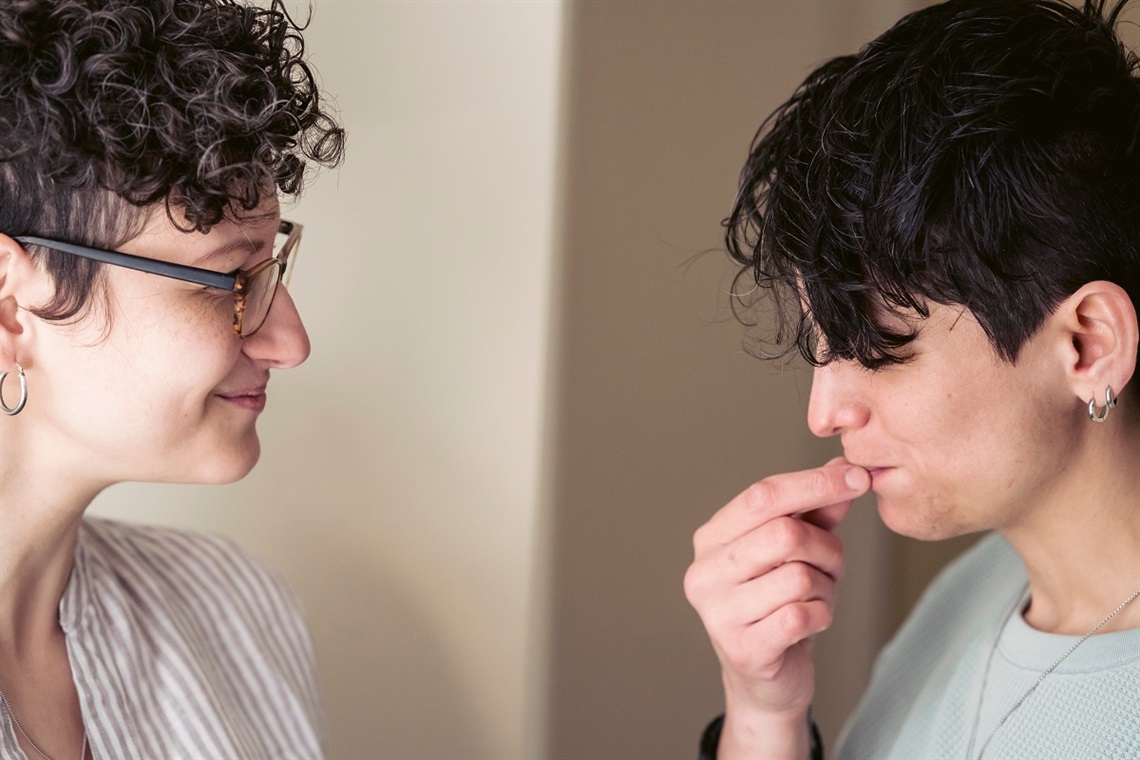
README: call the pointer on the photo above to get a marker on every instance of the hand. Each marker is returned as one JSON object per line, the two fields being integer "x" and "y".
{"x": 763, "y": 582}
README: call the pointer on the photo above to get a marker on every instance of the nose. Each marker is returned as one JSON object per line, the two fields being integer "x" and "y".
{"x": 836, "y": 406}
{"x": 282, "y": 341}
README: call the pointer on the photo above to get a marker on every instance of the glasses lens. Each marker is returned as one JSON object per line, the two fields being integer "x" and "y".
{"x": 259, "y": 297}
{"x": 286, "y": 245}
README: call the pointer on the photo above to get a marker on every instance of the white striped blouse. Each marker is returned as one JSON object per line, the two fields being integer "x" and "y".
{"x": 184, "y": 646}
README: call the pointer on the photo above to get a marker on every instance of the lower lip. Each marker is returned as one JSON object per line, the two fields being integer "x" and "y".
{"x": 876, "y": 474}
{"x": 254, "y": 403}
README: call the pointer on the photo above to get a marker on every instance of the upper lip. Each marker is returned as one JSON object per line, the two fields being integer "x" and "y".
{"x": 858, "y": 463}
{"x": 258, "y": 390}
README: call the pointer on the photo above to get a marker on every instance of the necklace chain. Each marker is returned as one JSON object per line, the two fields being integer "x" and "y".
{"x": 31, "y": 741}
{"x": 1040, "y": 678}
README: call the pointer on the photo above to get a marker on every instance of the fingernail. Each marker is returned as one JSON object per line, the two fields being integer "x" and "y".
{"x": 857, "y": 479}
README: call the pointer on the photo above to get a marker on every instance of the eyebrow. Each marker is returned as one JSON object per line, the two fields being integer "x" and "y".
{"x": 248, "y": 245}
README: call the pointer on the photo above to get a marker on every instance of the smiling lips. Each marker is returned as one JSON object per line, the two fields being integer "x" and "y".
{"x": 252, "y": 399}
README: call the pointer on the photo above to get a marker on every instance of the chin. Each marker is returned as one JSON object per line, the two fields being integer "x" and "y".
{"x": 917, "y": 521}
{"x": 224, "y": 467}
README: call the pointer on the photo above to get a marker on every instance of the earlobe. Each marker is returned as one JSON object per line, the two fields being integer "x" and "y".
{"x": 1100, "y": 324}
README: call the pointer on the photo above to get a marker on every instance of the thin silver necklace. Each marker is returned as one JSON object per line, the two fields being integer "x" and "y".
{"x": 1040, "y": 678}
{"x": 31, "y": 741}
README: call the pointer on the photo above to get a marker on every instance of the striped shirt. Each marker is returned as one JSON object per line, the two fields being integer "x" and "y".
{"x": 183, "y": 646}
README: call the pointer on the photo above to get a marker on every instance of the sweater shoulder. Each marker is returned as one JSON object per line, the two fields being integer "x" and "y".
{"x": 980, "y": 583}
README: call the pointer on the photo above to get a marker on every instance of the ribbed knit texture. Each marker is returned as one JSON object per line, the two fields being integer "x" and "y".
{"x": 927, "y": 688}
{"x": 183, "y": 646}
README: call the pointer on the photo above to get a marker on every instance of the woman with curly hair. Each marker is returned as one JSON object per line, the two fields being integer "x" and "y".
{"x": 949, "y": 221}
{"x": 143, "y": 145}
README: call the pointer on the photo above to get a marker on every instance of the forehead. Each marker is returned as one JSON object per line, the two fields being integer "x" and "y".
{"x": 167, "y": 235}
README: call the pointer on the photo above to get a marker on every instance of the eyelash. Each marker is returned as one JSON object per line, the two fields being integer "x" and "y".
{"x": 217, "y": 294}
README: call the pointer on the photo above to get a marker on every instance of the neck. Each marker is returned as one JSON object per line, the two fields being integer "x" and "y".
{"x": 1080, "y": 544}
{"x": 39, "y": 528}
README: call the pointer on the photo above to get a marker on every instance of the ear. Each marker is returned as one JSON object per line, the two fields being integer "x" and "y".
{"x": 1100, "y": 327}
{"x": 20, "y": 283}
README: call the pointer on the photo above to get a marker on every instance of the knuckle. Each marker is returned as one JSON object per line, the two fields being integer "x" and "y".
{"x": 696, "y": 584}
{"x": 836, "y": 545}
{"x": 800, "y": 581}
{"x": 700, "y": 539}
{"x": 840, "y": 561}
{"x": 819, "y": 483}
{"x": 706, "y": 539}
{"x": 795, "y": 622}
{"x": 786, "y": 534}
{"x": 832, "y": 554}
{"x": 760, "y": 497}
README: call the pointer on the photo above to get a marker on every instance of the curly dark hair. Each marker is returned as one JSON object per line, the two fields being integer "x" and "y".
{"x": 109, "y": 107}
{"x": 983, "y": 153}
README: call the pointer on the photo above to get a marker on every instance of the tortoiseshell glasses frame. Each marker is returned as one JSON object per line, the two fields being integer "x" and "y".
{"x": 253, "y": 288}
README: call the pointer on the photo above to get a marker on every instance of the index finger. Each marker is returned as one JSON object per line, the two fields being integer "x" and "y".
{"x": 788, "y": 493}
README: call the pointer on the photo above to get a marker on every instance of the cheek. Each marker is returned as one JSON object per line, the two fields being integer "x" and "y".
{"x": 970, "y": 462}
{"x": 161, "y": 305}
{"x": 164, "y": 356}
{"x": 975, "y": 441}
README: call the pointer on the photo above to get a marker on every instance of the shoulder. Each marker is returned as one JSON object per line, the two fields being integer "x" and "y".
{"x": 964, "y": 604}
{"x": 925, "y": 675}
{"x": 183, "y": 623}
{"x": 979, "y": 584}
{"x": 172, "y": 554}
{"x": 200, "y": 593}
{"x": 152, "y": 542}
{"x": 170, "y": 567}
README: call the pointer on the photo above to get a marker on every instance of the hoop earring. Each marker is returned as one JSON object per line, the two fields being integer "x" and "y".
{"x": 1109, "y": 405}
{"x": 19, "y": 407}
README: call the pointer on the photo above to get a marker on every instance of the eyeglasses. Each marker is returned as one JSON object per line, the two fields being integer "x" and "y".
{"x": 253, "y": 288}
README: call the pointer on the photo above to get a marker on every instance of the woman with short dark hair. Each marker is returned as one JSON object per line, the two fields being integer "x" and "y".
{"x": 949, "y": 223}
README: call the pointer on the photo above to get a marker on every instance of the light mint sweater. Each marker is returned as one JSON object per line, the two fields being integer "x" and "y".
{"x": 926, "y": 692}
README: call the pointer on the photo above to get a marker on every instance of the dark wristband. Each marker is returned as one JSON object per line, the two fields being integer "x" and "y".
{"x": 816, "y": 740}
{"x": 710, "y": 739}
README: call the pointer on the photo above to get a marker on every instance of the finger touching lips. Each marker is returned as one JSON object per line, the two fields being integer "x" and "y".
{"x": 791, "y": 493}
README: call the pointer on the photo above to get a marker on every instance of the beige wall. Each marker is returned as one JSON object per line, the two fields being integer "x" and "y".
{"x": 397, "y": 487}
{"x": 526, "y": 389}
{"x": 658, "y": 416}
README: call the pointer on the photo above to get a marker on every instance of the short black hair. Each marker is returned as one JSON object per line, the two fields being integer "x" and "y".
{"x": 111, "y": 107}
{"x": 984, "y": 153}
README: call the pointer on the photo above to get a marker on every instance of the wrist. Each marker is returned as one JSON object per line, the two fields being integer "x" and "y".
{"x": 752, "y": 734}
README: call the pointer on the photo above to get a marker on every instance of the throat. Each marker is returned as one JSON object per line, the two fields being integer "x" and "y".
{"x": 42, "y": 702}
{"x": 1081, "y": 562}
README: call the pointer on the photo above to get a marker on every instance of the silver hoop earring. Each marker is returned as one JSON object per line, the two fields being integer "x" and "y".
{"x": 19, "y": 407}
{"x": 1109, "y": 405}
